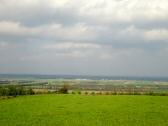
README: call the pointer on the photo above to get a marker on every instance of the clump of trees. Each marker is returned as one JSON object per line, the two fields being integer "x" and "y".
{"x": 15, "y": 90}
{"x": 72, "y": 92}
{"x": 64, "y": 89}
{"x": 152, "y": 93}
{"x": 86, "y": 93}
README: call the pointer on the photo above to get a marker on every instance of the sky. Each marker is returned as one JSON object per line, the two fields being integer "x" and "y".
{"x": 84, "y": 37}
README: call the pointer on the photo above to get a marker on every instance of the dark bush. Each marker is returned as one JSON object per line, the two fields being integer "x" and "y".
{"x": 14, "y": 90}
{"x": 86, "y": 93}
{"x": 73, "y": 92}
{"x": 114, "y": 93}
{"x": 21, "y": 90}
{"x": 93, "y": 93}
{"x": 4, "y": 91}
{"x": 99, "y": 93}
{"x": 64, "y": 89}
{"x": 137, "y": 93}
{"x": 79, "y": 92}
{"x": 149, "y": 93}
{"x": 107, "y": 93}
{"x": 30, "y": 91}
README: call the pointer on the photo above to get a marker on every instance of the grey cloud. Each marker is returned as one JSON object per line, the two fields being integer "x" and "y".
{"x": 113, "y": 37}
{"x": 35, "y": 15}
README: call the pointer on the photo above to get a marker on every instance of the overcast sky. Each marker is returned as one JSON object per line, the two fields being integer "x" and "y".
{"x": 84, "y": 37}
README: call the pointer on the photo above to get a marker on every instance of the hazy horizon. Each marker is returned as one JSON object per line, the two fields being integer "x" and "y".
{"x": 81, "y": 75}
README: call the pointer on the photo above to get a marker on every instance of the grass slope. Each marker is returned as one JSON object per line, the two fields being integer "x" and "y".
{"x": 79, "y": 110}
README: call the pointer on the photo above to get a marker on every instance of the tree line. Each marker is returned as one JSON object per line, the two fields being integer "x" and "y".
{"x": 15, "y": 90}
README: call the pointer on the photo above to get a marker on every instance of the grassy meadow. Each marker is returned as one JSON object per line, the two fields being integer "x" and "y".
{"x": 84, "y": 110}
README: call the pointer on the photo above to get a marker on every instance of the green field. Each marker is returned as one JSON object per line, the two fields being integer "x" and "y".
{"x": 83, "y": 110}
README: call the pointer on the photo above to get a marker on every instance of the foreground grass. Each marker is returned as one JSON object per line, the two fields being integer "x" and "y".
{"x": 80, "y": 110}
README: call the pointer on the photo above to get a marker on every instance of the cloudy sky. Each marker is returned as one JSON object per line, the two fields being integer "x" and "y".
{"x": 84, "y": 37}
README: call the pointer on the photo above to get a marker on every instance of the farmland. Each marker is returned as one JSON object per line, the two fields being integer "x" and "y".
{"x": 37, "y": 101}
{"x": 114, "y": 86}
{"x": 84, "y": 110}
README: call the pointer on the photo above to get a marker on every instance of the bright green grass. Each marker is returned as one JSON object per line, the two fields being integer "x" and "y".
{"x": 80, "y": 110}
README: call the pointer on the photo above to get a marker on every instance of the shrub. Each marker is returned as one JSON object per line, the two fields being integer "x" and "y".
{"x": 162, "y": 94}
{"x": 114, "y": 93}
{"x": 21, "y": 91}
{"x": 73, "y": 92}
{"x": 136, "y": 93}
{"x": 107, "y": 93}
{"x": 86, "y": 93}
{"x": 14, "y": 90}
{"x": 3, "y": 91}
{"x": 99, "y": 93}
{"x": 64, "y": 89}
{"x": 93, "y": 93}
{"x": 30, "y": 91}
{"x": 79, "y": 92}
{"x": 149, "y": 93}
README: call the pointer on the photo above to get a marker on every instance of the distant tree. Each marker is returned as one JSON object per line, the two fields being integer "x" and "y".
{"x": 93, "y": 93}
{"x": 30, "y": 91}
{"x": 86, "y": 92}
{"x": 21, "y": 90}
{"x": 107, "y": 93}
{"x": 79, "y": 92}
{"x": 3, "y": 91}
{"x": 64, "y": 89}
{"x": 73, "y": 92}
{"x": 12, "y": 90}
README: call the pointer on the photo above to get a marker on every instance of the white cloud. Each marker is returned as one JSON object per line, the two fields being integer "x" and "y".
{"x": 98, "y": 11}
{"x": 106, "y": 56}
{"x": 77, "y": 32}
{"x": 14, "y": 28}
{"x": 125, "y": 10}
{"x": 11, "y": 27}
{"x": 130, "y": 32}
{"x": 72, "y": 54}
{"x": 72, "y": 45}
{"x": 157, "y": 34}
